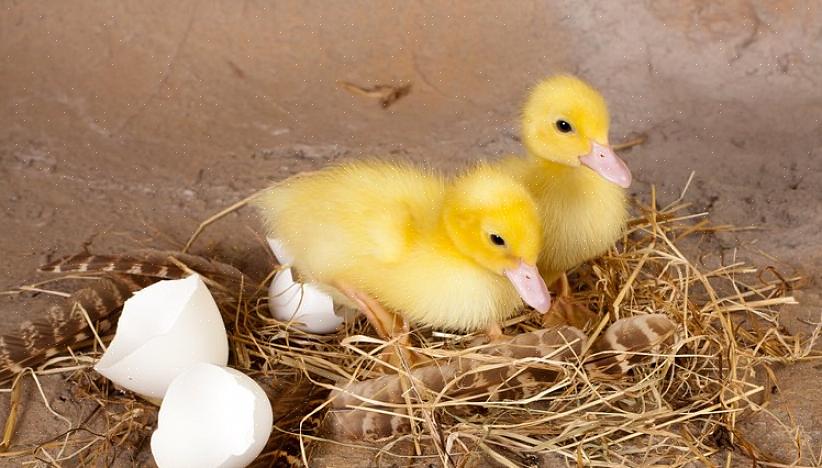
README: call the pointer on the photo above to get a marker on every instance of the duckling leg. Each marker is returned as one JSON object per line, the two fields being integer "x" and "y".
{"x": 367, "y": 305}
{"x": 387, "y": 324}
{"x": 564, "y": 311}
{"x": 394, "y": 326}
{"x": 494, "y": 332}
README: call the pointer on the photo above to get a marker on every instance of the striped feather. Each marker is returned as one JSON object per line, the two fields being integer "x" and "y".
{"x": 627, "y": 343}
{"x": 612, "y": 355}
{"x": 162, "y": 264}
{"x": 63, "y": 323}
{"x": 460, "y": 378}
{"x": 131, "y": 265}
{"x": 121, "y": 275}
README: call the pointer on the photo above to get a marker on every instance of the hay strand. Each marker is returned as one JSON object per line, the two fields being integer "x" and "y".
{"x": 682, "y": 407}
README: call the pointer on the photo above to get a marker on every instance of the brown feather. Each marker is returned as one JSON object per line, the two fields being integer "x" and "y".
{"x": 470, "y": 379}
{"x": 612, "y": 355}
{"x": 162, "y": 264}
{"x": 627, "y": 343}
{"x": 64, "y": 324}
{"x": 121, "y": 276}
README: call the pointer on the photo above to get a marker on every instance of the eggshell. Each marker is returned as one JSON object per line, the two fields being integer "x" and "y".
{"x": 212, "y": 416}
{"x": 164, "y": 329}
{"x": 304, "y": 304}
{"x": 279, "y": 251}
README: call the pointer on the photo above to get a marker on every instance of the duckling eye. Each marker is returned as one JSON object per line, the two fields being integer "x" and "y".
{"x": 497, "y": 240}
{"x": 563, "y": 126}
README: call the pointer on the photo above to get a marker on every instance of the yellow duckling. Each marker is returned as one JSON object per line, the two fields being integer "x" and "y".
{"x": 573, "y": 174}
{"x": 391, "y": 239}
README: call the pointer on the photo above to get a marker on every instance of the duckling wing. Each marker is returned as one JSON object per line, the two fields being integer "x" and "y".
{"x": 359, "y": 215}
{"x": 391, "y": 232}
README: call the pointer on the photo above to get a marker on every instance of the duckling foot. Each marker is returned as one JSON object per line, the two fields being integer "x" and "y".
{"x": 491, "y": 335}
{"x": 388, "y": 326}
{"x": 564, "y": 311}
{"x": 495, "y": 334}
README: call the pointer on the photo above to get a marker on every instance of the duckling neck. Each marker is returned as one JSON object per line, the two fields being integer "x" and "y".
{"x": 573, "y": 181}
{"x": 583, "y": 214}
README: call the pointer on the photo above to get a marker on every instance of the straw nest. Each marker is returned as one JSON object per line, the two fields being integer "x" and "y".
{"x": 681, "y": 407}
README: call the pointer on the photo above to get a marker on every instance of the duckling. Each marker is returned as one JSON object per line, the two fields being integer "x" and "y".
{"x": 404, "y": 245}
{"x": 575, "y": 177}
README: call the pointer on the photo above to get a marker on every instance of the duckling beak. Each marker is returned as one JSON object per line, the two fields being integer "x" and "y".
{"x": 606, "y": 163}
{"x": 530, "y": 286}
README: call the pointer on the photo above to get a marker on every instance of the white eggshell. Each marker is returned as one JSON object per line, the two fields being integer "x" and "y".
{"x": 211, "y": 416}
{"x": 279, "y": 251}
{"x": 164, "y": 329}
{"x": 304, "y": 304}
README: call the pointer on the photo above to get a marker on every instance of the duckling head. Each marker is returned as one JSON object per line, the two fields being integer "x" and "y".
{"x": 566, "y": 121}
{"x": 493, "y": 220}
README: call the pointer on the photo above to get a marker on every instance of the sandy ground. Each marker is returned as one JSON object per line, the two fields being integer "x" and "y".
{"x": 127, "y": 123}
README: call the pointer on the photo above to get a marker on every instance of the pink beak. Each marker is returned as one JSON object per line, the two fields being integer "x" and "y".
{"x": 606, "y": 163}
{"x": 530, "y": 286}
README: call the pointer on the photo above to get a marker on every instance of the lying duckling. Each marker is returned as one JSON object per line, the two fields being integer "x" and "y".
{"x": 573, "y": 174}
{"x": 404, "y": 245}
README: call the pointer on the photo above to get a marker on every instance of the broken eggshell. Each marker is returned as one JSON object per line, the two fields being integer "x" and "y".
{"x": 304, "y": 304}
{"x": 279, "y": 251}
{"x": 165, "y": 328}
{"x": 212, "y": 416}
{"x": 309, "y": 308}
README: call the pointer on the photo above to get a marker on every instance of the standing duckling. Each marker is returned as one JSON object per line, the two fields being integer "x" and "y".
{"x": 573, "y": 174}
{"x": 404, "y": 245}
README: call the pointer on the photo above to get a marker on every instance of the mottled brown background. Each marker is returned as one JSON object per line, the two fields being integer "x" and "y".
{"x": 126, "y": 123}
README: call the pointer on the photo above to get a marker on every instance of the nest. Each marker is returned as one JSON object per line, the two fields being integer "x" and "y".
{"x": 680, "y": 407}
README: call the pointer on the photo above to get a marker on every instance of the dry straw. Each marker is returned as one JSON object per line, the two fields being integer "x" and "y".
{"x": 682, "y": 407}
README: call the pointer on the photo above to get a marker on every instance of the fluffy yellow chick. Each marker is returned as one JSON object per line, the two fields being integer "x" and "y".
{"x": 457, "y": 255}
{"x": 573, "y": 174}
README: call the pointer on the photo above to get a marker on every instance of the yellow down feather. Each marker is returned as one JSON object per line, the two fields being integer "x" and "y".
{"x": 416, "y": 242}
{"x": 582, "y": 213}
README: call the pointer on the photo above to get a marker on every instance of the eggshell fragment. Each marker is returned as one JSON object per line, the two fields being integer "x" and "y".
{"x": 164, "y": 329}
{"x": 211, "y": 416}
{"x": 304, "y": 304}
{"x": 279, "y": 251}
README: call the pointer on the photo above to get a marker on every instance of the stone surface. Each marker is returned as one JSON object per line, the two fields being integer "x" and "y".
{"x": 127, "y": 123}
